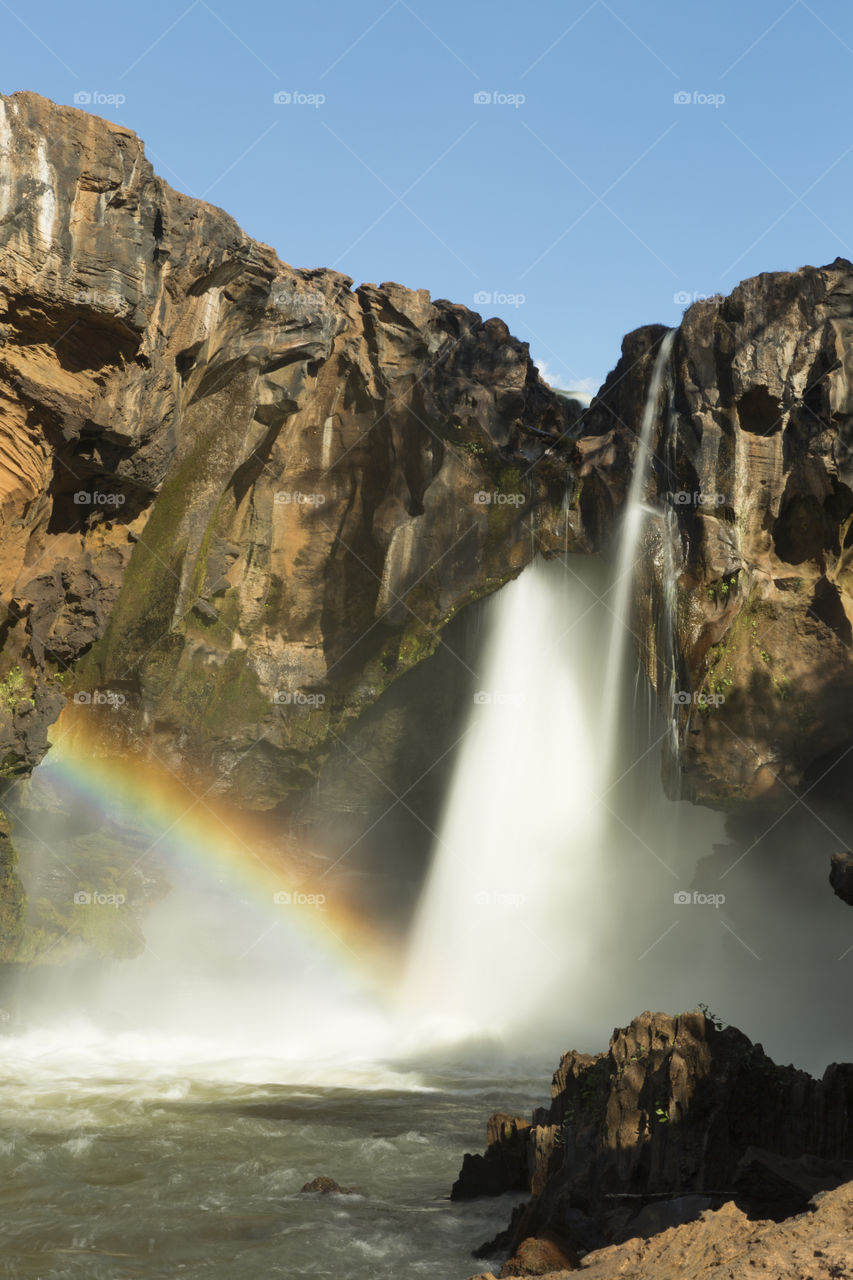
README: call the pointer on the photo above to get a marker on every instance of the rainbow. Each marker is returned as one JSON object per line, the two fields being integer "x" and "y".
{"x": 217, "y": 842}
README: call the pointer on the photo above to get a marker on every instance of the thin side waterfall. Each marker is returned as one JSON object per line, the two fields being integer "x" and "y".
{"x": 621, "y": 595}
{"x": 667, "y": 624}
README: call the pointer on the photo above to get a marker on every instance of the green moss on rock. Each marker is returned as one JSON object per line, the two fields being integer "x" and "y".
{"x": 12, "y": 896}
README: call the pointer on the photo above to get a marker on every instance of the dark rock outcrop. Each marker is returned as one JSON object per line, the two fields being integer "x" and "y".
{"x": 841, "y": 876}
{"x": 503, "y": 1167}
{"x": 679, "y": 1114}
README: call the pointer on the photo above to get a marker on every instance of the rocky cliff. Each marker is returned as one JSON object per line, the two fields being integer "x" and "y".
{"x": 754, "y": 462}
{"x": 247, "y": 497}
{"x": 679, "y": 1116}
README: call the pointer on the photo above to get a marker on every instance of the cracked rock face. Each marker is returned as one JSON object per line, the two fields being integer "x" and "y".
{"x": 247, "y": 497}
{"x": 754, "y": 458}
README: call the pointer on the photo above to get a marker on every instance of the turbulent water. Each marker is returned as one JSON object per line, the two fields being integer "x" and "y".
{"x": 123, "y": 1170}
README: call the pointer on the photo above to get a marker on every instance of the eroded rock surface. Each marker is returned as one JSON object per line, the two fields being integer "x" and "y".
{"x": 678, "y": 1116}
{"x": 259, "y": 492}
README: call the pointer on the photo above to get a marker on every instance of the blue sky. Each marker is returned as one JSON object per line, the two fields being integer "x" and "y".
{"x": 596, "y": 204}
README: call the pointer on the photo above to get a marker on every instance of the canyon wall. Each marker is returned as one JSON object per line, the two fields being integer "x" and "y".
{"x": 238, "y": 500}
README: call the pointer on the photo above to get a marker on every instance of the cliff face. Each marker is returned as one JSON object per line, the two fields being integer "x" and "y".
{"x": 754, "y": 459}
{"x": 238, "y": 501}
{"x": 258, "y": 493}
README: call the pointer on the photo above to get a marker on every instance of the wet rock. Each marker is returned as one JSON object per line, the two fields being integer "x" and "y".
{"x": 326, "y": 1186}
{"x": 841, "y": 876}
{"x": 503, "y": 1168}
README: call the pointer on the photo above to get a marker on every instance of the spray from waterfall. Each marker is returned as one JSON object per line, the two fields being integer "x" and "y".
{"x": 621, "y": 595}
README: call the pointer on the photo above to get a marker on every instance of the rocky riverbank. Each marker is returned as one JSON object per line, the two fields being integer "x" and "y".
{"x": 681, "y": 1121}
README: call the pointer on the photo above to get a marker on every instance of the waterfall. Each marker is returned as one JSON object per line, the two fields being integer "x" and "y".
{"x": 667, "y": 623}
{"x": 508, "y": 895}
{"x": 629, "y": 551}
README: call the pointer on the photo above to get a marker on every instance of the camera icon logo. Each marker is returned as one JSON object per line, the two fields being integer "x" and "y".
{"x": 282, "y": 98}
{"x": 82, "y": 898}
{"x": 483, "y": 298}
{"x": 83, "y": 699}
{"x": 82, "y": 98}
{"x": 682, "y": 898}
{"x": 282, "y": 898}
{"x": 482, "y": 99}
{"x": 682, "y": 98}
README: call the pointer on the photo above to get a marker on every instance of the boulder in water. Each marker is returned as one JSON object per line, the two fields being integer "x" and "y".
{"x": 325, "y": 1186}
